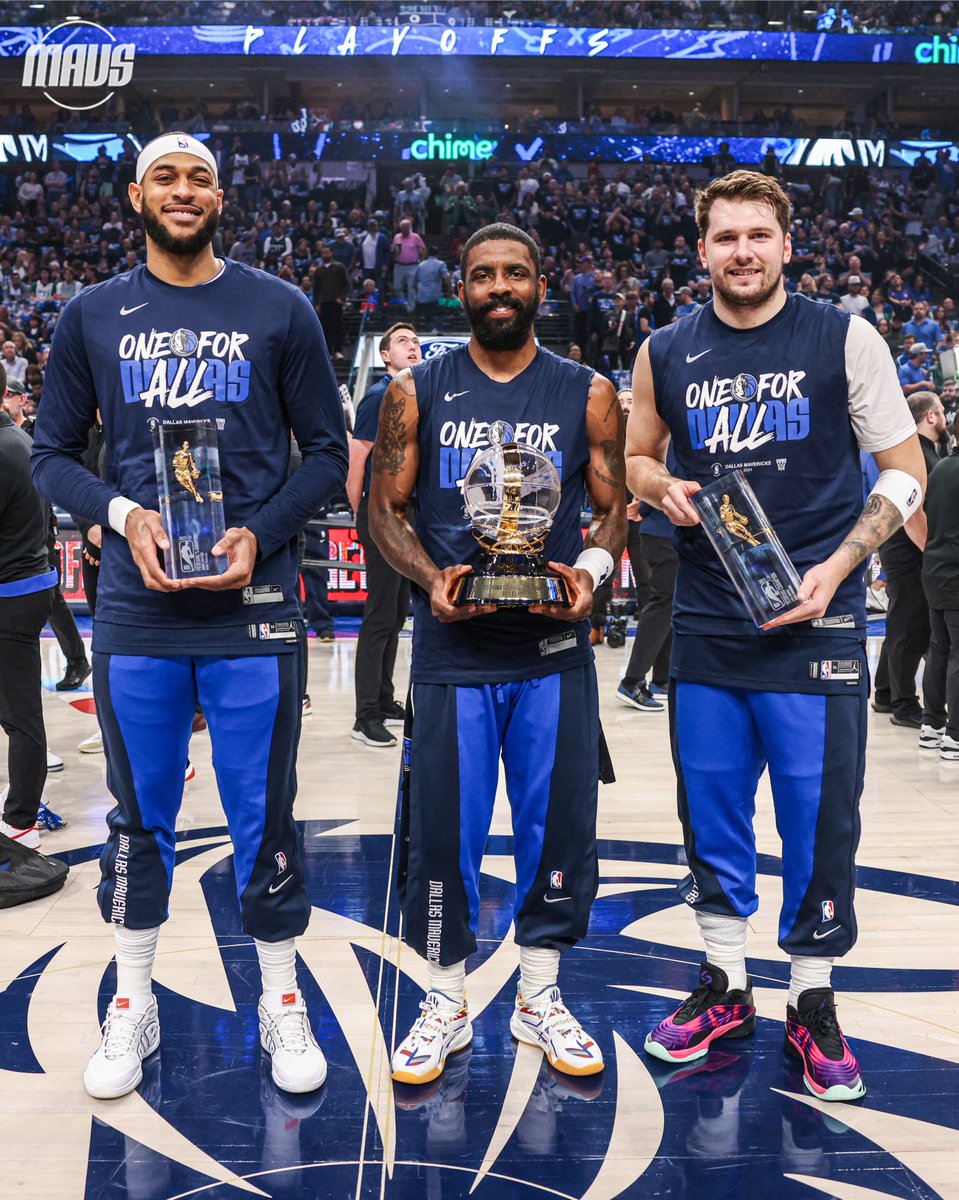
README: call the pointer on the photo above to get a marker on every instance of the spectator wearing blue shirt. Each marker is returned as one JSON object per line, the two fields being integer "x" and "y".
{"x": 431, "y": 281}
{"x": 914, "y": 375}
{"x": 686, "y": 304}
{"x": 922, "y": 326}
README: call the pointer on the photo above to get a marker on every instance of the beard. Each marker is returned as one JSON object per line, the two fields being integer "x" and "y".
{"x": 186, "y": 246}
{"x": 756, "y": 297}
{"x": 497, "y": 334}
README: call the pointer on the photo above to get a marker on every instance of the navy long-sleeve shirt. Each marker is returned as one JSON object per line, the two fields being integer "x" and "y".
{"x": 244, "y": 351}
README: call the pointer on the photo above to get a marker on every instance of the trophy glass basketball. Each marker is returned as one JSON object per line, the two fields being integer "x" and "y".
{"x": 511, "y": 493}
{"x": 191, "y": 497}
{"x": 747, "y": 545}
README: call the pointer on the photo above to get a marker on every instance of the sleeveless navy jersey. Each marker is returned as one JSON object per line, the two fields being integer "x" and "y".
{"x": 250, "y": 356}
{"x": 546, "y": 407}
{"x": 773, "y": 401}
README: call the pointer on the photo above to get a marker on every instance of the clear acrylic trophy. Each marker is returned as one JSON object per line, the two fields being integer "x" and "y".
{"x": 190, "y": 496}
{"x": 747, "y": 545}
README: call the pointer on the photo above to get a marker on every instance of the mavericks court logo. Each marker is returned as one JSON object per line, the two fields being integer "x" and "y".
{"x": 207, "y": 1120}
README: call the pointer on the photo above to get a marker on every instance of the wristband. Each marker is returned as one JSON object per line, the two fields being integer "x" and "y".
{"x": 120, "y": 508}
{"x": 901, "y": 489}
{"x": 597, "y": 562}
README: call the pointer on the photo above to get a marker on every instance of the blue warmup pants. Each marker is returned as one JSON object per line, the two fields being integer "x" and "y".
{"x": 547, "y": 733}
{"x": 815, "y": 747}
{"x": 253, "y": 708}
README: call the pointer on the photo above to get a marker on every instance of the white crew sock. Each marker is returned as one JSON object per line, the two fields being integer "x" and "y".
{"x": 277, "y": 968}
{"x": 538, "y": 969}
{"x": 725, "y": 939}
{"x": 806, "y": 973}
{"x": 135, "y": 951}
{"x": 451, "y": 981}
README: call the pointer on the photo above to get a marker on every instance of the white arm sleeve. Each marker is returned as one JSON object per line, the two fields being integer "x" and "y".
{"x": 878, "y": 410}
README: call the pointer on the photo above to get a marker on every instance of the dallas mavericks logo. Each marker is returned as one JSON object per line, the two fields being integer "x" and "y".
{"x": 744, "y": 387}
{"x": 501, "y": 1123}
{"x": 183, "y": 342}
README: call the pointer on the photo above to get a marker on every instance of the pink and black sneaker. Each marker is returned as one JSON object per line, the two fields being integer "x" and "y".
{"x": 711, "y": 1012}
{"x": 830, "y": 1070}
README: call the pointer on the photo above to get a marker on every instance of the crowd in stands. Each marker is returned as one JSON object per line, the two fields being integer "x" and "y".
{"x": 903, "y": 16}
{"x": 618, "y": 245}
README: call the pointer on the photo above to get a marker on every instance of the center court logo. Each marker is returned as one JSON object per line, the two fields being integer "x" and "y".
{"x": 639, "y": 1120}
{"x": 78, "y": 65}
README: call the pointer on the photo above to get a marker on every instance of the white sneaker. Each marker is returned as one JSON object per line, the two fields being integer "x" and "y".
{"x": 93, "y": 744}
{"x": 949, "y": 748}
{"x": 442, "y": 1028}
{"x": 25, "y": 837}
{"x": 930, "y": 738}
{"x": 544, "y": 1020}
{"x": 54, "y": 762}
{"x": 298, "y": 1064}
{"x": 129, "y": 1037}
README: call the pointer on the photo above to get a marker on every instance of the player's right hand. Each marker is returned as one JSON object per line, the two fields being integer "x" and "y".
{"x": 144, "y": 533}
{"x": 676, "y": 504}
{"x": 444, "y": 588}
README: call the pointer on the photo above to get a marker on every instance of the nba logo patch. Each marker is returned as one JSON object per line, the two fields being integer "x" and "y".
{"x": 828, "y": 911}
{"x": 280, "y": 862}
{"x": 182, "y": 144}
{"x": 556, "y": 879}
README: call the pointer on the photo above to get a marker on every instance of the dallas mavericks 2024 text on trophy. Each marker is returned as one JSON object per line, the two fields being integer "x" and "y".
{"x": 511, "y": 493}
{"x": 191, "y": 497}
{"x": 740, "y": 533}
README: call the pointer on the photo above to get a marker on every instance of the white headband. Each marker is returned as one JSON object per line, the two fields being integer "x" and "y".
{"x": 173, "y": 143}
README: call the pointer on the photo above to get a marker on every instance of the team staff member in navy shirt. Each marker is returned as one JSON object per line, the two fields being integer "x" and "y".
{"x": 387, "y": 591}
{"x": 191, "y": 337}
{"x": 789, "y": 391}
{"x": 516, "y": 684}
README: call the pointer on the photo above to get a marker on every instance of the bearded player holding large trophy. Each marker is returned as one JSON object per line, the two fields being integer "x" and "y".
{"x": 490, "y": 681}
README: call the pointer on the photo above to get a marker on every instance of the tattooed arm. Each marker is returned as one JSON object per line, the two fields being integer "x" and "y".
{"x": 877, "y": 522}
{"x": 396, "y": 460}
{"x": 606, "y": 485}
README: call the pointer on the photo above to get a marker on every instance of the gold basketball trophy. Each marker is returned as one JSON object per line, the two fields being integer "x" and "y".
{"x": 511, "y": 493}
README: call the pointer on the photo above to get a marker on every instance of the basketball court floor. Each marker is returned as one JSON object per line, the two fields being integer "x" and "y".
{"x": 207, "y": 1121}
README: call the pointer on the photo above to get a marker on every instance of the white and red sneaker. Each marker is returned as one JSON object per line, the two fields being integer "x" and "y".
{"x": 131, "y": 1032}
{"x": 298, "y": 1064}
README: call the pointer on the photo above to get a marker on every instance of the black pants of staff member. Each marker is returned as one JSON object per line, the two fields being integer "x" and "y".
{"x": 21, "y": 704}
{"x": 940, "y": 680}
{"x": 331, "y": 318}
{"x": 65, "y": 630}
{"x": 653, "y": 640}
{"x": 907, "y": 638}
{"x": 387, "y": 602}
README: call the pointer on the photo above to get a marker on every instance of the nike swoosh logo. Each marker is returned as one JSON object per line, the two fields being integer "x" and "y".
{"x": 275, "y": 887}
{"x": 817, "y": 935}
{"x": 125, "y": 312}
{"x": 555, "y": 899}
{"x": 452, "y": 395}
{"x": 691, "y": 358}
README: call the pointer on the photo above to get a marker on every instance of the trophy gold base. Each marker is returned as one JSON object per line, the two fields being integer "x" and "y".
{"x": 512, "y": 581}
